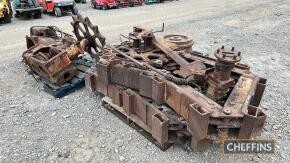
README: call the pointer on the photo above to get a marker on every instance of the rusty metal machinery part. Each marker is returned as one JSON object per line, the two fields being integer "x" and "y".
{"x": 51, "y": 63}
{"x": 50, "y": 50}
{"x": 226, "y": 59}
{"x": 145, "y": 41}
{"x": 129, "y": 77}
{"x": 220, "y": 80}
{"x": 169, "y": 77}
{"x": 179, "y": 42}
{"x": 48, "y": 31}
{"x": 89, "y": 33}
{"x": 53, "y": 36}
{"x": 49, "y": 35}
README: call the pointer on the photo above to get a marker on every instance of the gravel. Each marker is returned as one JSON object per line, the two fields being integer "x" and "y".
{"x": 35, "y": 127}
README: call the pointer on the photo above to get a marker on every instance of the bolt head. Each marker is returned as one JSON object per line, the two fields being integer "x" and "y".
{"x": 228, "y": 55}
{"x": 227, "y": 111}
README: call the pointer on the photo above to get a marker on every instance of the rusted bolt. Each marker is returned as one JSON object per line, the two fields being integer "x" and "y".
{"x": 235, "y": 57}
{"x": 239, "y": 53}
{"x": 233, "y": 48}
{"x": 223, "y": 47}
{"x": 224, "y": 56}
{"x": 227, "y": 111}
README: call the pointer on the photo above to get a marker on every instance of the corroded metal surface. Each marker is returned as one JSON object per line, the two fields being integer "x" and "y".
{"x": 177, "y": 94}
{"x": 172, "y": 93}
{"x": 49, "y": 35}
{"x": 50, "y": 50}
{"x": 50, "y": 62}
{"x": 220, "y": 81}
{"x": 177, "y": 41}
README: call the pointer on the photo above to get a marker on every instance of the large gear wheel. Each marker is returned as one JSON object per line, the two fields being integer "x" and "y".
{"x": 86, "y": 32}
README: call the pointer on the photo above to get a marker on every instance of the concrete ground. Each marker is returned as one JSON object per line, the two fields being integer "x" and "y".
{"x": 35, "y": 127}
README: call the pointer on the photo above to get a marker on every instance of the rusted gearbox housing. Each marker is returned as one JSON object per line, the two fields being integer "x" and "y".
{"x": 177, "y": 94}
{"x": 50, "y": 51}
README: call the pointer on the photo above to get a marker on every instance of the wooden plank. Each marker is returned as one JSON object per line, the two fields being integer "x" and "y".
{"x": 87, "y": 57}
{"x": 132, "y": 117}
{"x": 53, "y": 86}
{"x": 82, "y": 68}
{"x": 115, "y": 109}
{"x": 83, "y": 62}
{"x": 80, "y": 75}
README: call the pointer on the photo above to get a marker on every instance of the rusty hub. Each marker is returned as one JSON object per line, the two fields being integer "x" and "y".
{"x": 179, "y": 42}
{"x": 220, "y": 80}
{"x": 226, "y": 59}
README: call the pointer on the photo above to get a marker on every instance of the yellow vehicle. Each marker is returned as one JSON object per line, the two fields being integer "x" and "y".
{"x": 5, "y": 11}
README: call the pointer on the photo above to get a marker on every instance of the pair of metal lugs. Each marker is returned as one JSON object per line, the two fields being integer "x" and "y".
{"x": 224, "y": 104}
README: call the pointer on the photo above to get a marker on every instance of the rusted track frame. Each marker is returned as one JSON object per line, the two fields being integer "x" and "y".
{"x": 185, "y": 101}
{"x": 227, "y": 105}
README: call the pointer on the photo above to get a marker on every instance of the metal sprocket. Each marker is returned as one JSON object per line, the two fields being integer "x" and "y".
{"x": 85, "y": 30}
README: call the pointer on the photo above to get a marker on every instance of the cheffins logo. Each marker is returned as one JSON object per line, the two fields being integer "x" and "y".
{"x": 248, "y": 146}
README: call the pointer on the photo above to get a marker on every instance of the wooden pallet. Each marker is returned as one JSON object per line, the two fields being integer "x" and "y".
{"x": 83, "y": 64}
{"x": 132, "y": 121}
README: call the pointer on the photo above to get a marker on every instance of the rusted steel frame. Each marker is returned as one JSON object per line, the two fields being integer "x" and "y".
{"x": 259, "y": 91}
{"x": 204, "y": 111}
{"x": 253, "y": 123}
{"x": 135, "y": 107}
{"x": 238, "y": 103}
{"x": 239, "y": 99}
{"x": 181, "y": 99}
{"x": 178, "y": 98}
{"x": 152, "y": 86}
{"x": 142, "y": 112}
{"x": 198, "y": 121}
{"x": 145, "y": 65}
{"x": 144, "y": 78}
